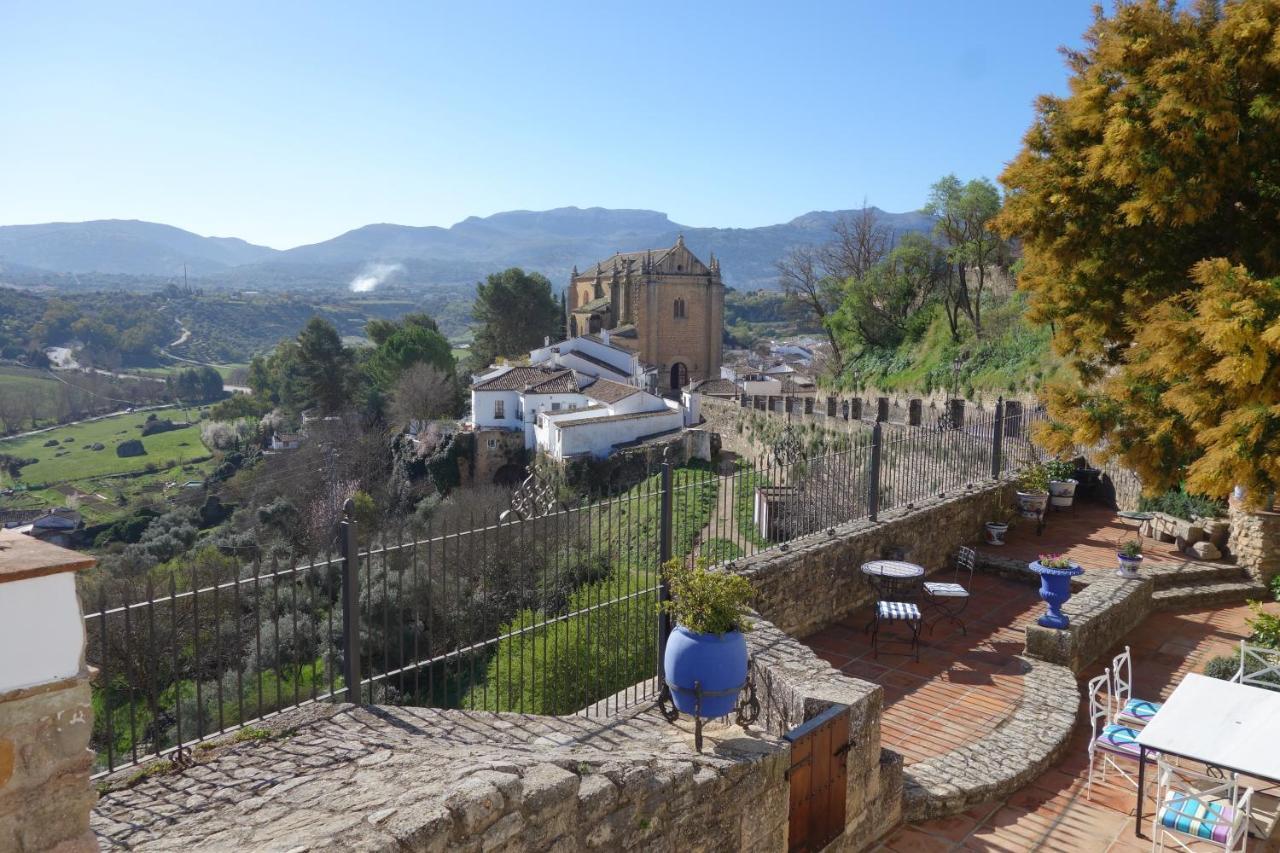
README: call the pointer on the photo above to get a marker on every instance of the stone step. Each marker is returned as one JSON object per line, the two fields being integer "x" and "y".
{"x": 1207, "y": 594}
{"x": 1185, "y": 574}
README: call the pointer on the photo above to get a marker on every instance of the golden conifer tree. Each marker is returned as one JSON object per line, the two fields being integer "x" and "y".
{"x": 1147, "y": 202}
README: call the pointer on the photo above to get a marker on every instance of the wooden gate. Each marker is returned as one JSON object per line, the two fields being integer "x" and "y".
{"x": 817, "y": 778}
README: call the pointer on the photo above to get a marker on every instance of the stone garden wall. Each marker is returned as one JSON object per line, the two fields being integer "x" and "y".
{"x": 1255, "y": 541}
{"x": 1103, "y": 612}
{"x": 815, "y": 581}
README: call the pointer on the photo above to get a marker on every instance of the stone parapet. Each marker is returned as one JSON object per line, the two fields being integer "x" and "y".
{"x": 1255, "y": 541}
{"x": 1103, "y": 612}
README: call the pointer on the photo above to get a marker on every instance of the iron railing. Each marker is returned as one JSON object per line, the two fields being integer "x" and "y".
{"x": 552, "y": 614}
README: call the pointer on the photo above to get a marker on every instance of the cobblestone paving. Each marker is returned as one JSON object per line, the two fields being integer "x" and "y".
{"x": 346, "y": 778}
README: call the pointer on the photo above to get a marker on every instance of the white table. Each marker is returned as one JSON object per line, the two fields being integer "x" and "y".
{"x": 1227, "y": 725}
{"x": 893, "y": 569}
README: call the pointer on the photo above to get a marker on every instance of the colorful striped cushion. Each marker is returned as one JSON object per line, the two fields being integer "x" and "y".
{"x": 1121, "y": 740}
{"x": 1139, "y": 709}
{"x": 898, "y": 610}
{"x": 1209, "y": 820}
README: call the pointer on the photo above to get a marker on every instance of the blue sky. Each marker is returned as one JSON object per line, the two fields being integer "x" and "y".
{"x": 288, "y": 123}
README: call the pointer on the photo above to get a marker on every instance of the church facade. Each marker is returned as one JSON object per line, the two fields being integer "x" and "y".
{"x": 665, "y": 305}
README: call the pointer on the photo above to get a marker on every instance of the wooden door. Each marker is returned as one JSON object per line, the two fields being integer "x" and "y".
{"x": 817, "y": 778}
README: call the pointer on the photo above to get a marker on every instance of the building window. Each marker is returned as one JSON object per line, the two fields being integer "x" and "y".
{"x": 499, "y": 410}
{"x": 493, "y": 443}
{"x": 555, "y": 407}
{"x": 679, "y": 310}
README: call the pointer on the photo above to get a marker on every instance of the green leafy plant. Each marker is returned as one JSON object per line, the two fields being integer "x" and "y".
{"x": 1222, "y": 667}
{"x": 1184, "y": 505}
{"x": 1130, "y": 548}
{"x": 1060, "y": 470}
{"x": 704, "y": 601}
{"x": 1265, "y": 626}
{"x": 1055, "y": 561}
{"x": 1034, "y": 479}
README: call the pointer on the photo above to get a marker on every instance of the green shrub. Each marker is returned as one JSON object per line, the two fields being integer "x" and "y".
{"x": 1265, "y": 626}
{"x": 1183, "y": 505}
{"x": 1060, "y": 469}
{"x": 704, "y": 601}
{"x": 1223, "y": 667}
{"x": 1034, "y": 479}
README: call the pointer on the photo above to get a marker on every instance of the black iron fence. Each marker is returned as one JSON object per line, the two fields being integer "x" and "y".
{"x": 552, "y": 614}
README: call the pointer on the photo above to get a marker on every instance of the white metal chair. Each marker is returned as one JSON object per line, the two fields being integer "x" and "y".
{"x": 1109, "y": 742}
{"x": 1203, "y": 808}
{"x": 1259, "y": 667}
{"x": 950, "y": 598}
{"x": 1129, "y": 711}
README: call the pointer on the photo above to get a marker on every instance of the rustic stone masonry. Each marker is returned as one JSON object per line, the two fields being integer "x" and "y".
{"x": 45, "y": 711}
{"x": 343, "y": 777}
{"x": 795, "y": 685}
{"x": 1017, "y": 751}
{"x": 815, "y": 581}
{"x": 1107, "y": 609}
{"x": 1255, "y": 541}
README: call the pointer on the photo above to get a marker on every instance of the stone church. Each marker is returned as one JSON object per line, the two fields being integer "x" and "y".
{"x": 663, "y": 304}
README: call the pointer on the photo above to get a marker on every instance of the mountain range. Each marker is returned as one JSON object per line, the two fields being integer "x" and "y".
{"x": 551, "y": 242}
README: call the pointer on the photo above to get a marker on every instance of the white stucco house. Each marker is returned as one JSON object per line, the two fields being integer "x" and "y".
{"x": 579, "y": 397}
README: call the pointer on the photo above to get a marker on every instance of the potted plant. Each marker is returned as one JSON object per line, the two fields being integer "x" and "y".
{"x": 1129, "y": 553}
{"x": 1062, "y": 485}
{"x": 1033, "y": 491}
{"x": 1056, "y": 572}
{"x": 705, "y": 664}
{"x": 998, "y": 528}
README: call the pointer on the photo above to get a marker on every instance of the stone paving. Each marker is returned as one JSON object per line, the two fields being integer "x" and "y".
{"x": 1051, "y": 812}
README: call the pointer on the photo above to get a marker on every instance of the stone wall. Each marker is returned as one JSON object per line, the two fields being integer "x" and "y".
{"x": 1103, "y": 612}
{"x": 815, "y": 581}
{"x": 1255, "y": 541}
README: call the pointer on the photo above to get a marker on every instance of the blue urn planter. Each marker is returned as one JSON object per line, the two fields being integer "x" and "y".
{"x": 1055, "y": 589}
{"x": 715, "y": 663}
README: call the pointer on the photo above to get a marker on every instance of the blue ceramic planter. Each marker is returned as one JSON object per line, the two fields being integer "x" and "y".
{"x": 1055, "y": 589}
{"x": 716, "y": 662}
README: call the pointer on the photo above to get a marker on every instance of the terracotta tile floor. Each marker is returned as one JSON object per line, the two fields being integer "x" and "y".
{"x": 963, "y": 686}
{"x": 1087, "y": 532}
{"x": 1052, "y": 813}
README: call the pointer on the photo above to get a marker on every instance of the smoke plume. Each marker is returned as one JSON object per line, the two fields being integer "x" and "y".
{"x": 372, "y": 275}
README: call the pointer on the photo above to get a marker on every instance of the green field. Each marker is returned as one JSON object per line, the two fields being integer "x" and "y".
{"x": 72, "y": 460}
{"x": 225, "y": 370}
{"x": 22, "y": 380}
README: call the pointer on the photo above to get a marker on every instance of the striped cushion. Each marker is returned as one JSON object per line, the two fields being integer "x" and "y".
{"x": 1121, "y": 740}
{"x": 1138, "y": 710}
{"x": 897, "y": 610}
{"x": 1209, "y": 820}
{"x": 949, "y": 590}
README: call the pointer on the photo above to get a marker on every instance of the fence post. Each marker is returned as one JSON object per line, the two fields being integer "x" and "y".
{"x": 997, "y": 440}
{"x": 664, "y": 554}
{"x": 350, "y": 601}
{"x": 873, "y": 477}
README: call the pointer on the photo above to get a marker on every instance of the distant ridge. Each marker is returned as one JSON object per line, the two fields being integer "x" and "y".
{"x": 549, "y": 241}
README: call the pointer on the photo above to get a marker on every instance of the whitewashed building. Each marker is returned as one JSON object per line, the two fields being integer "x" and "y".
{"x": 578, "y": 397}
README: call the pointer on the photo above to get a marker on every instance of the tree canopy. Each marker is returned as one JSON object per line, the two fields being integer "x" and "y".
{"x": 514, "y": 310}
{"x": 1147, "y": 203}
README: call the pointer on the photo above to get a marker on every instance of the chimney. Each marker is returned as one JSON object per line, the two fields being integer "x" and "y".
{"x": 604, "y": 336}
{"x": 546, "y": 340}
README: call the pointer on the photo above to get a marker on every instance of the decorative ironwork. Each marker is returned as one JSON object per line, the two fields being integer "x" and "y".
{"x": 748, "y": 710}
{"x": 533, "y": 498}
{"x": 666, "y": 705}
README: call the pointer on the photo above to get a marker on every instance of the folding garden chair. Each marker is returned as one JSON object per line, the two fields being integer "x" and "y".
{"x": 897, "y": 602}
{"x": 1109, "y": 742}
{"x": 1199, "y": 807}
{"x": 1129, "y": 711}
{"x": 950, "y": 598}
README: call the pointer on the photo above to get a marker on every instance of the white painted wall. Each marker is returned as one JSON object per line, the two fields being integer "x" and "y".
{"x": 482, "y": 409}
{"x": 41, "y": 631}
{"x": 599, "y": 439}
{"x": 764, "y": 387}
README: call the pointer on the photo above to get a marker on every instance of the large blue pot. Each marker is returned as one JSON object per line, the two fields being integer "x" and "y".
{"x": 717, "y": 663}
{"x": 1055, "y": 589}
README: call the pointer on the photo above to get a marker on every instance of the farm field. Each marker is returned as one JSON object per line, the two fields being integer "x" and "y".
{"x": 20, "y": 380}
{"x": 71, "y": 459}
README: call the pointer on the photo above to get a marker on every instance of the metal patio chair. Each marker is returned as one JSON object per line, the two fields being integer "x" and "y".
{"x": 1130, "y": 711}
{"x": 1200, "y": 808}
{"x": 898, "y": 601}
{"x": 950, "y": 598}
